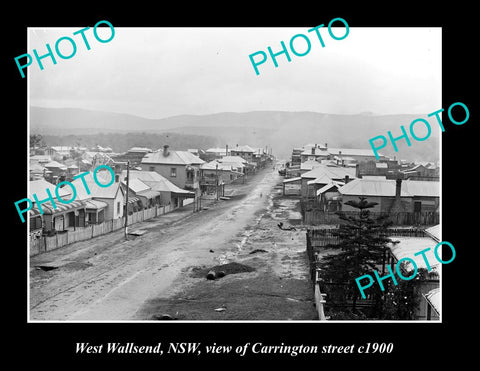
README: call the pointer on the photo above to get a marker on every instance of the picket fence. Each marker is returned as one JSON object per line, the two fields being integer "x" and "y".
{"x": 47, "y": 243}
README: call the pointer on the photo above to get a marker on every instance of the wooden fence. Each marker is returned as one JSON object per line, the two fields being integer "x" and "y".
{"x": 315, "y": 216}
{"x": 47, "y": 243}
{"x": 319, "y": 237}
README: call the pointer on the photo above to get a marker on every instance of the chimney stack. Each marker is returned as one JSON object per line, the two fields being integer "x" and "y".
{"x": 398, "y": 188}
{"x": 313, "y": 149}
{"x": 397, "y": 206}
{"x": 326, "y": 145}
{"x": 165, "y": 150}
{"x": 226, "y": 150}
{"x": 347, "y": 179}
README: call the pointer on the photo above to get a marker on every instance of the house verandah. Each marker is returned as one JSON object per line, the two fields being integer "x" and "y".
{"x": 64, "y": 217}
{"x": 42, "y": 242}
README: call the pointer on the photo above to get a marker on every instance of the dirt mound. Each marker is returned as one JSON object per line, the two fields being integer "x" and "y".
{"x": 229, "y": 268}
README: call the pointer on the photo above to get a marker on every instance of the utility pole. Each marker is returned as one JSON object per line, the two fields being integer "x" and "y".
{"x": 216, "y": 180}
{"x": 126, "y": 202}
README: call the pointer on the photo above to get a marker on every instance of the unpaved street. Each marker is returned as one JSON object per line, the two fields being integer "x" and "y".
{"x": 110, "y": 279}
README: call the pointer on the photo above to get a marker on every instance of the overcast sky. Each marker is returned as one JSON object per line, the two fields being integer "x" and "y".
{"x": 161, "y": 72}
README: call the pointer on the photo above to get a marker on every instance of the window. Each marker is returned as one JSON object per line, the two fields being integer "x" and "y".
{"x": 173, "y": 172}
{"x": 118, "y": 208}
{"x": 151, "y": 168}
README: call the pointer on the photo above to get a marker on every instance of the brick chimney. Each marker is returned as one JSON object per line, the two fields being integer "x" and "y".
{"x": 347, "y": 179}
{"x": 313, "y": 149}
{"x": 397, "y": 206}
{"x": 165, "y": 150}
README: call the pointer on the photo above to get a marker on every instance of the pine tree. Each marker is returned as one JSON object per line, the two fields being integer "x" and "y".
{"x": 362, "y": 248}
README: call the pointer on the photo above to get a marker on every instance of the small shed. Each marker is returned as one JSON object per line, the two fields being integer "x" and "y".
{"x": 292, "y": 186}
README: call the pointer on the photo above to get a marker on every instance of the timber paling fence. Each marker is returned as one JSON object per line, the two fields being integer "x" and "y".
{"x": 321, "y": 237}
{"x": 313, "y": 215}
{"x": 47, "y": 243}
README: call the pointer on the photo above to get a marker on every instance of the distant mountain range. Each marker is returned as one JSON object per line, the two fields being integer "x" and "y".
{"x": 279, "y": 130}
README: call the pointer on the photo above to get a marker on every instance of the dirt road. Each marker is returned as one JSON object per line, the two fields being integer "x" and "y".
{"x": 110, "y": 279}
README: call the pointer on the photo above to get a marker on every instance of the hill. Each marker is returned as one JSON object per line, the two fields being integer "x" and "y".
{"x": 279, "y": 130}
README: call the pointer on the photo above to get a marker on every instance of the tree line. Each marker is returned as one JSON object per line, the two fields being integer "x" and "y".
{"x": 121, "y": 142}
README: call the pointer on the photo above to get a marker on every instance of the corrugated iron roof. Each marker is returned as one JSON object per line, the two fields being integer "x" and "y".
{"x": 155, "y": 181}
{"x": 334, "y": 172}
{"x": 60, "y": 208}
{"x": 55, "y": 164}
{"x": 39, "y": 188}
{"x": 296, "y": 179}
{"x": 434, "y": 297}
{"x": 407, "y": 247}
{"x": 104, "y": 177}
{"x": 245, "y": 148}
{"x": 149, "y": 193}
{"x": 387, "y": 188}
{"x": 136, "y": 185}
{"x": 173, "y": 157}
{"x": 95, "y": 204}
{"x": 434, "y": 232}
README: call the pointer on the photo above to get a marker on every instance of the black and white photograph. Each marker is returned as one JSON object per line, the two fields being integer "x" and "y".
{"x": 291, "y": 183}
{"x": 245, "y": 174}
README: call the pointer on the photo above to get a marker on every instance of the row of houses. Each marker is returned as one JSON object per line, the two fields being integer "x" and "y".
{"x": 327, "y": 180}
{"x": 156, "y": 179}
{"x": 185, "y": 169}
{"x": 326, "y": 185}
{"x": 95, "y": 205}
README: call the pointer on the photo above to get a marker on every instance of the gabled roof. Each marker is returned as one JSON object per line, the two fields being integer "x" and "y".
{"x": 104, "y": 177}
{"x": 334, "y": 172}
{"x": 212, "y": 165}
{"x": 154, "y": 180}
{"x": 173, "y": 157}
{"x": 309, "y": 165}
{"x": 39, "y": 188}
{"x": 55, "y": 164}
{"x": 322, "y": 179}
{"x": 329, "y": 186}
{"x": 245, "y": 148}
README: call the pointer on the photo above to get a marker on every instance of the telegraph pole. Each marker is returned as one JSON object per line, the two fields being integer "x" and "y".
{"x": 126, "y": 203}
{"x": 216, "y": 180}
